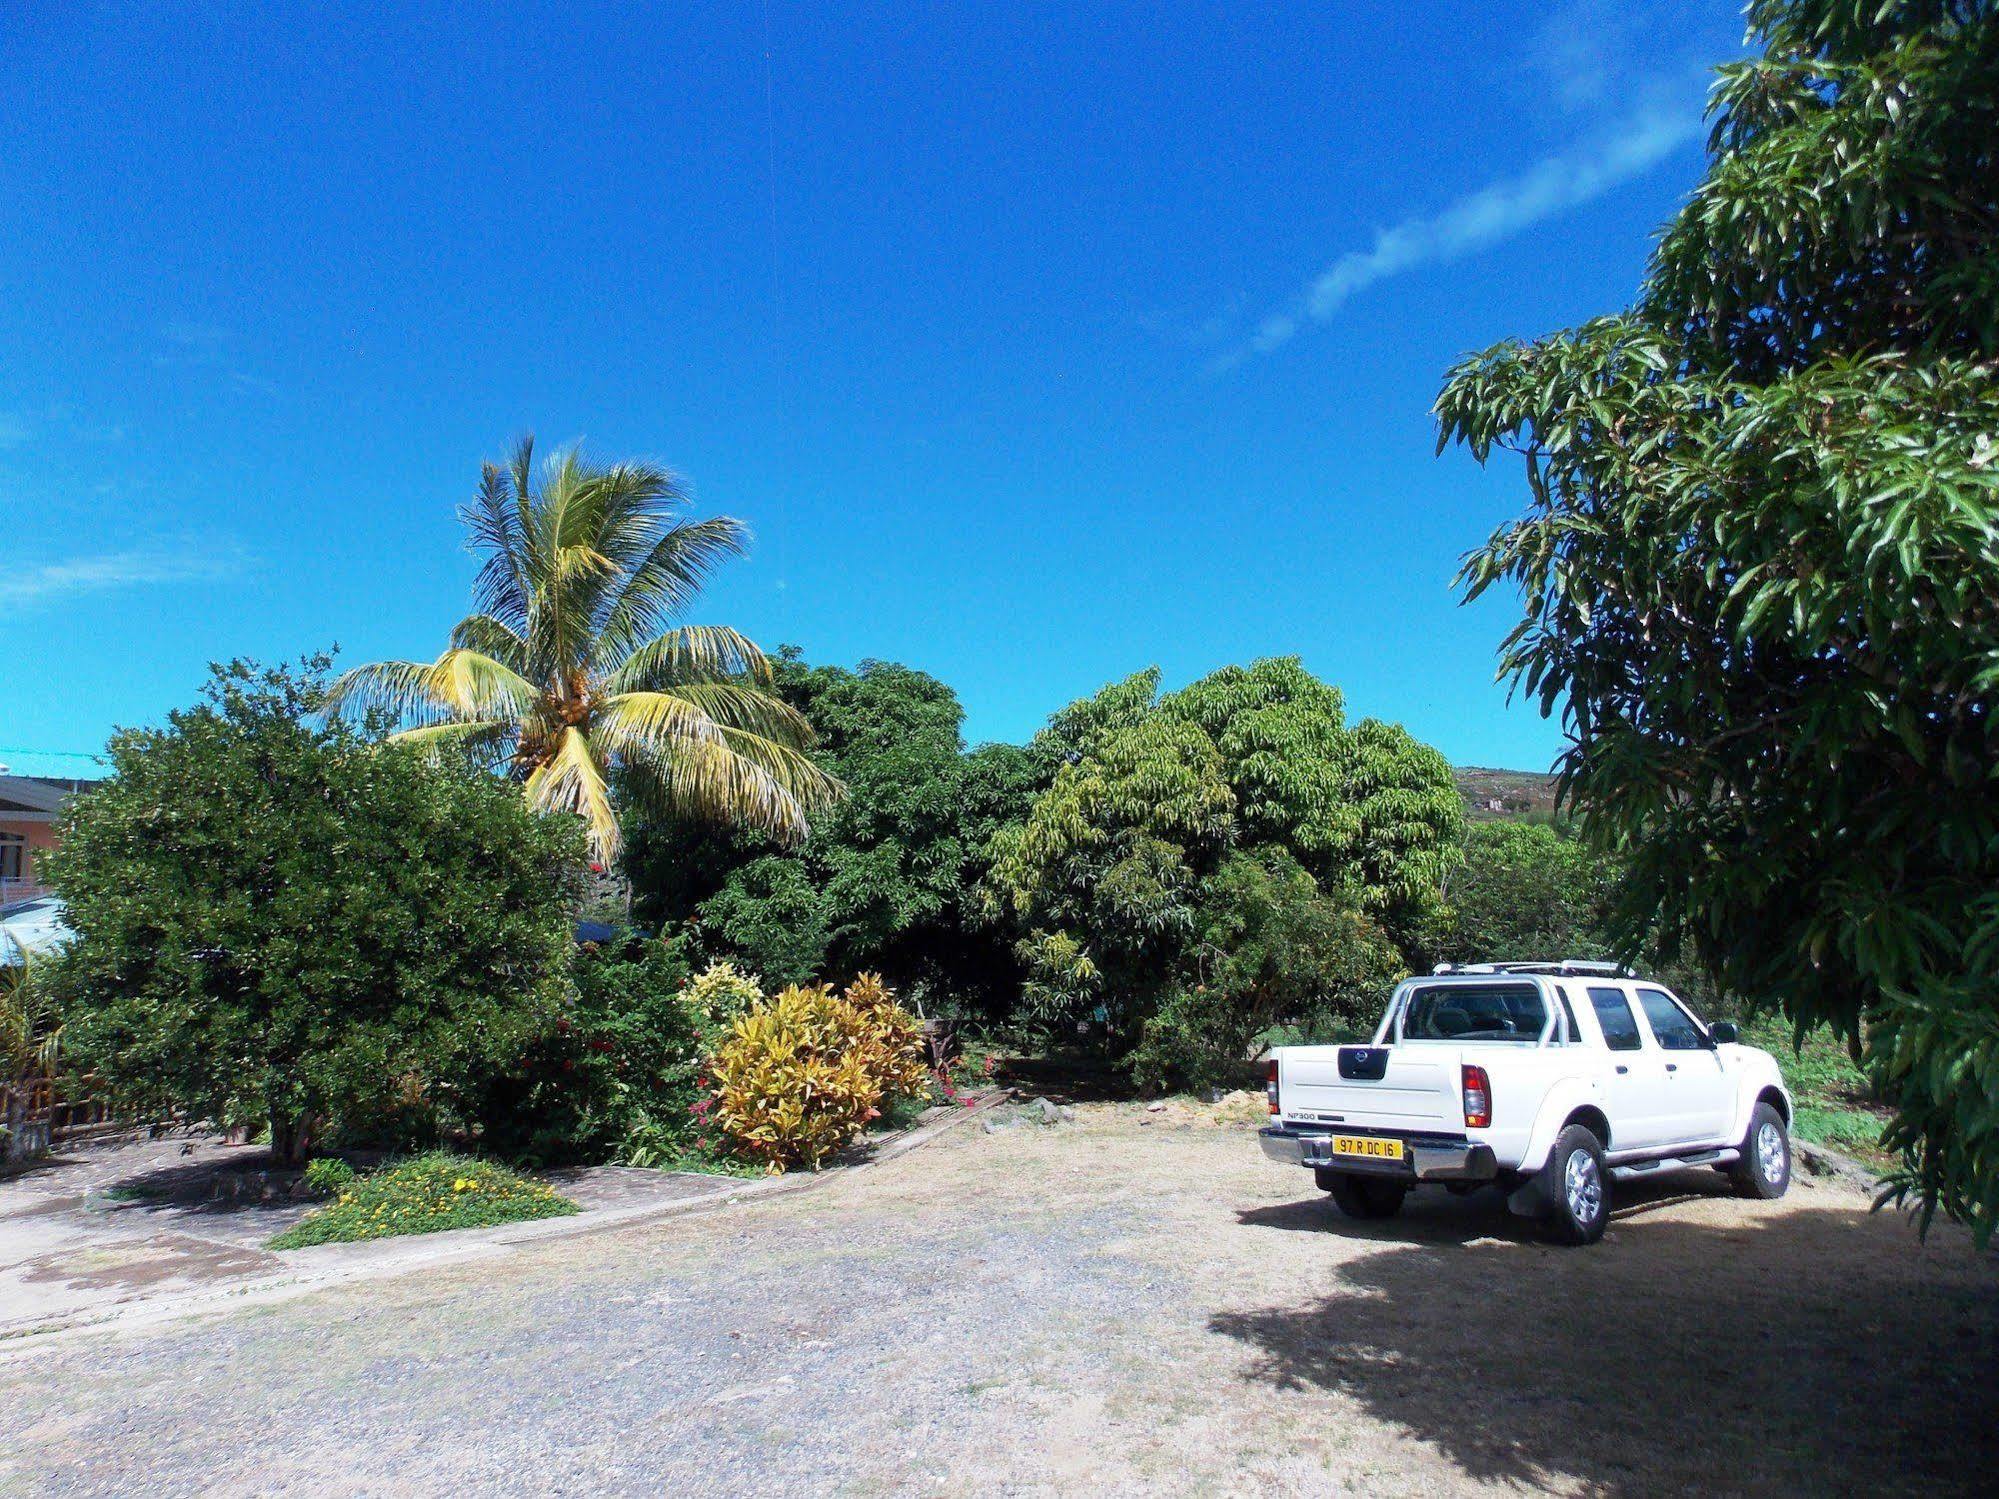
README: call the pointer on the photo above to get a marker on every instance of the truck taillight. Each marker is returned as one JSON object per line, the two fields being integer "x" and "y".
{"x": 1270, "y": 1083}
{"x": 1478, "y": 1098}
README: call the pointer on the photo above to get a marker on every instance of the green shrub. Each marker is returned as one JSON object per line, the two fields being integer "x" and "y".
{"x": 611, "y": 1074}
{"x": 328, "y": 1175}
{"x": 426, "y": 1194}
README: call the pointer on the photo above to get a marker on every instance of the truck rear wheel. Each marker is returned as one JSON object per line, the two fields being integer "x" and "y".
{"x": 1363, "y": 1196}
{"x": 1576, "y": 1186}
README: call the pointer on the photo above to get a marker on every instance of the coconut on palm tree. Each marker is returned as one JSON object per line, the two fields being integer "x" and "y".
{"x": 570, "y": 677}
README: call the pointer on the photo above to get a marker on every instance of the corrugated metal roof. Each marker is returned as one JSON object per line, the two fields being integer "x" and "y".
{"x": 34, "y": 927}
{"x": 53, "y": 765}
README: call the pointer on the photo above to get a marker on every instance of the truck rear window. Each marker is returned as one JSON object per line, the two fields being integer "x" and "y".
{"x": 1474, "y": 1012}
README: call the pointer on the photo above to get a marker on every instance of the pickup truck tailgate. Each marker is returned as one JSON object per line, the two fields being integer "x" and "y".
{"x": 1415, "y": 1092}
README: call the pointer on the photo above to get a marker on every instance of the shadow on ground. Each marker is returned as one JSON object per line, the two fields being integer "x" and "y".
{"x": 1066, "y": 1078}
{"x": 1676, "y": 1356}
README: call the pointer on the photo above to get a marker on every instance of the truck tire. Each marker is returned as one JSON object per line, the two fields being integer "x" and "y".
{"x": 1576, "y": 1186}
{"x": 1363, "y": 1196}
{"x": 1764, "y": 1171}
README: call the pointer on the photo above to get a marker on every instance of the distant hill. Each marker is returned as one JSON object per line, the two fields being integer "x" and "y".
{"x": 1506, "y": 795}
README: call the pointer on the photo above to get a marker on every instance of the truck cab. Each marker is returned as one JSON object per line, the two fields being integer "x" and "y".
{"x": 1550, "y": 1079}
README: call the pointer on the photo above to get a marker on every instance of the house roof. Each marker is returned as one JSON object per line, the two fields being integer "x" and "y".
{"x": 53, "y": 765}
{"x": 22, "y": 794}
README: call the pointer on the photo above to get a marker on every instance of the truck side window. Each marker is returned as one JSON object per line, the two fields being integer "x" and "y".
{"x": 1670, "y": 1026}
{"x": 1613, "y": 1013}
{"x": 1575, "y": 1035}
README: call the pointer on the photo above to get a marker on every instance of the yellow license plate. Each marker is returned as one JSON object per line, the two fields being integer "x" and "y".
{"x": 1363, "y": 1145}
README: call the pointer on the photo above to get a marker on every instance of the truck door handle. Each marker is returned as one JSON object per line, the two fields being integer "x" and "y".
{"x": 1672, "y": 1066}
{"x": 1622, "y": 1068}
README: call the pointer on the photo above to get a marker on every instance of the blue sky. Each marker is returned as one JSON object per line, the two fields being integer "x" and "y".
{"x": 1037, "y": 343}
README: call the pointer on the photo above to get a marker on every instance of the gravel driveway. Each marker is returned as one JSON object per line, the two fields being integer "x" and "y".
{"x": 1128, "y": 1303}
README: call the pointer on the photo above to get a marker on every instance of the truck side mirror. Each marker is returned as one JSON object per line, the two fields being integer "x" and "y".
{"x": 1722, "y": 1032}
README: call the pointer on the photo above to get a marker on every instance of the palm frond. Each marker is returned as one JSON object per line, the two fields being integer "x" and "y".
{"x": 709, "y": 782}
{"x": 495, "y": 521}
{"x": 460, "y": 684}
{"x": 485, "y": 742}
{"x": 493, "y": 637}
{"x": 692, "y": 653}
{"x": 667, "y": 581}
{"x": 814, "y": 789}
{"x": 734, "y": 706}
{"x": 572, "y": 780}
{"x": 632, "y": 502}
{"x": 643, "y": 725}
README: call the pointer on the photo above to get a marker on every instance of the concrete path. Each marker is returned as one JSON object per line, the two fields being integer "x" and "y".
{"x": 1126, "y": 1304}
{"x": 128, "y": 1229}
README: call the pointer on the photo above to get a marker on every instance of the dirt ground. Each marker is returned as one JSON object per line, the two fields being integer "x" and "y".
{"x": 1129, "y": 1303}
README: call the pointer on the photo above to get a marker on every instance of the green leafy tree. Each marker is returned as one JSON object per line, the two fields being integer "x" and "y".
{"x": 1271, "y": 950}
{"x": 770, "y": 913}
{"x": 612, "y": 1075}
{"x": 1411, "y": 818}
{"x": 1761, "y": 559}
{"x": 1112, "y": 854}
{"x": 885, "y": 882}
{"x": 277, "y": 921}
{"x": 1076, "y": 730}
{"x": 1525, "y": 890}
{"x": 568, "y": 677}
{"x": 1282, "y": 736}
{"x": 1191, "y": 851}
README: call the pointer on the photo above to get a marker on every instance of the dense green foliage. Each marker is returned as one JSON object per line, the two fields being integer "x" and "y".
{"x": 612, "y": 1074}
{"x": 1272, "y": 958}
{"x": 1182, "y": 872}
{"x": 1210, "y": 864}
{"x": 1761, "y": 559}
{"x": 276, "y": 921}
{"x": 886, "y": 880}
{"x": 425, "y": 1195}
{"x": 1526, "y": 890}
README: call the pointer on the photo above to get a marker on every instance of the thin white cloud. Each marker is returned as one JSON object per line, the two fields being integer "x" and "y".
{"x": 112, "y": 570}
{"x": 1495, "y": 212}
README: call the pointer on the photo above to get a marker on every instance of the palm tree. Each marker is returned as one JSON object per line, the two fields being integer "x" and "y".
{"x": 567, "y": 677}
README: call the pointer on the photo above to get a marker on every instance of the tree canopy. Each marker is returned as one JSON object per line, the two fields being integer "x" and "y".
{"x": 885, "y": 882}
{"x": 277, "y": 921}
{"x": 1209, "y": 863}
{"x": 1761, "y": 558}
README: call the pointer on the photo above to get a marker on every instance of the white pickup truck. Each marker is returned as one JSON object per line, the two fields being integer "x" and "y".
{"x": 1550, "y": 1080}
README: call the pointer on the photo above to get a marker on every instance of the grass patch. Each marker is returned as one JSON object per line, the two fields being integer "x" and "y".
{"x": 130, "y": 1193}
{"x": 426, "y": 1194}
{"x": 901, "y": 1113}
{"x": 707, "y": 1161}
{"x": 1853, "y": 1130}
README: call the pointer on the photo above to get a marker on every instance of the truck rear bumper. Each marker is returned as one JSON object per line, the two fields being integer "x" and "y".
{"x": 1422, "y": 1160}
